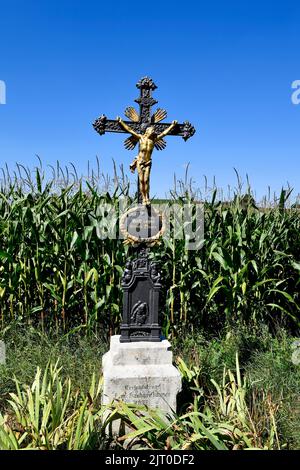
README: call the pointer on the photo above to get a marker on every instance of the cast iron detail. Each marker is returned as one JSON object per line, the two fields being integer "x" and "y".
{"x": 139, "y": 313}
{"x": 100, "y": 124}
{"x": 188, "y": 130}
{"x": 140, "y": 334}
{"x": 141, "y": 282}
{"x": 127, "y": 274}
{"x": 155, "y": 274}
{"x": 147, "y": 83}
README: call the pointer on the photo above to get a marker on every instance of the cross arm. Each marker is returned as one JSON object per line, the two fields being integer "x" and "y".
{"x": 102, "y": 125}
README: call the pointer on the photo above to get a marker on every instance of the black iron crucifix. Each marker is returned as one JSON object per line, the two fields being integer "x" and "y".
{"x": 140, "y": 122}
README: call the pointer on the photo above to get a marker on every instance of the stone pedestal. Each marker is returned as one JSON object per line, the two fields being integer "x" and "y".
{"x": 141, "y": 373}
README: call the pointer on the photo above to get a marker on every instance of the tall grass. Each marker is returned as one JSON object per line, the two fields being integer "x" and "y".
{"x": 50, "y": 415}
{"x": 56, "y": 269}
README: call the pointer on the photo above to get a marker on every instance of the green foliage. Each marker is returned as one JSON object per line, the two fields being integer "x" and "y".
{"x": 47, "y": 416}
{"x": 29, "y": 347}
{"x": 56, "y": 269}
{"x": 225, "y": 403}
{"x": 273, "y": 381}
{"x": 224, "y": 421}
{"x": 274, "y": 375}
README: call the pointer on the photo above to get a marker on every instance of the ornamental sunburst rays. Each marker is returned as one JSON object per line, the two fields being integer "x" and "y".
{"x": 159, "y": 115}
{"x": 132, "y": 114}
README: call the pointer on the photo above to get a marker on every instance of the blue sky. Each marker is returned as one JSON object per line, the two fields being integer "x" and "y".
{"x": 226, "y": 66}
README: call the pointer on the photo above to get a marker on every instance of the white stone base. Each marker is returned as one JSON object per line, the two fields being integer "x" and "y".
{"x": 141, "y": 373}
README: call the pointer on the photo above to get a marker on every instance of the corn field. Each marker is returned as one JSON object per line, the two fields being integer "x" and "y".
{"x": 56, "y": 269}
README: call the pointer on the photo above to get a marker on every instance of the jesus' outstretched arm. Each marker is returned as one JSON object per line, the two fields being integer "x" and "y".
{"x": 127, "y": 128}
{"x": 169, "y": 129}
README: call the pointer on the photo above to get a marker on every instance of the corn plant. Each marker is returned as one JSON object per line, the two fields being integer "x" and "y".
{"x": 56, "y": 268}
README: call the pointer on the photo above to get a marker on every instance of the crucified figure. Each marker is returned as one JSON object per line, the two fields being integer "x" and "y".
{"x": 143, "y": 161}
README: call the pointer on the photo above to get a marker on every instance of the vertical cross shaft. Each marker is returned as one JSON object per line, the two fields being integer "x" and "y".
{"x": 146, "y": 101}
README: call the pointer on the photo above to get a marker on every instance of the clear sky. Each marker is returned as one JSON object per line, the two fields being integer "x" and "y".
{"x": 226, "y": 66}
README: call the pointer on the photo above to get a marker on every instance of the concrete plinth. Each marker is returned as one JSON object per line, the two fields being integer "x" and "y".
{"x": 141, "y": 373}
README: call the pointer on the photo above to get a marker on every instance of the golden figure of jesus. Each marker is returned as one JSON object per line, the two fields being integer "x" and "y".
{"x": 144, "y": 159}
